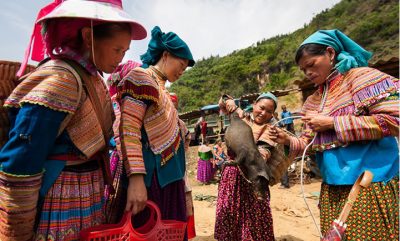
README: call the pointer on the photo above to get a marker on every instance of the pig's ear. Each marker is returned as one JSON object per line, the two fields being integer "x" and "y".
{"x": 263, "y": 175}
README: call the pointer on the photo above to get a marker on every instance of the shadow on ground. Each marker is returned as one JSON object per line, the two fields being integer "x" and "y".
{"x": 281, "y": 238}
{"x": 288, "y": 238}
{"x": 204, "y": 238}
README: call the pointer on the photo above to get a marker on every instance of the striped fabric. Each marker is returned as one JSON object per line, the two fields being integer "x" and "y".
{"x": 364, "y": 104}
{"x": 184, "y": 131}
{"x": 132, "y": 116}
{"x": 50, "y": 86}
{"x": 84, "y": 128}
{"x": 56, "y": 88}
{"x": 146, "y": 103}
{"x": 18, "y": 200}
{"x": 74, "y": 202}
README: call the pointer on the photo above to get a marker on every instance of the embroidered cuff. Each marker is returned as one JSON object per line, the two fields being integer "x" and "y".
{"x": 295, "y": 148}
{"x": 382, "y": 123}
{"x": 18, "y": 200}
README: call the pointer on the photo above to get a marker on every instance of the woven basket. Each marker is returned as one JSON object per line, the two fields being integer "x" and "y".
{"x": 8, "y": 81}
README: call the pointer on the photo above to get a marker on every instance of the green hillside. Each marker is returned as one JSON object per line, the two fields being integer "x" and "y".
{"x": 374, "y": 24}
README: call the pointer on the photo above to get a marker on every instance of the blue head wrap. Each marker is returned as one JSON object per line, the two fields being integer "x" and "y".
{"x": 349, "y": 53}
{"x": 268, "y": 95}
{"x": 161, "y": 42}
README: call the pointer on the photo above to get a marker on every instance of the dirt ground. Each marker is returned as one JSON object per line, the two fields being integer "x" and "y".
{"x": 291, "y": 218}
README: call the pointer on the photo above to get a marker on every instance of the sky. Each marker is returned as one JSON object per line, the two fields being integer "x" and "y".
{"x": 209, "y": 27}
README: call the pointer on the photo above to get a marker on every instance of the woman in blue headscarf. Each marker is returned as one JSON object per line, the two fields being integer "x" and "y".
{"x": 352, "y": 120}
{"x": 147, "y": 131}
{"x": 240, "y": 215}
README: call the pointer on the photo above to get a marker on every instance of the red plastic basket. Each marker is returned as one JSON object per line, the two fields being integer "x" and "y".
{"x": 154, "y": 229}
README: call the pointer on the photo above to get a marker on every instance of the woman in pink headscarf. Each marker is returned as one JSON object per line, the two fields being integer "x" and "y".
{"x": 52, "y": 169}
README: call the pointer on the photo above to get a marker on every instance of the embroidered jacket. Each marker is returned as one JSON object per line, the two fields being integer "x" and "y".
{"x": 47, "y": 102}
{"x": 145, "y": 102}
{"x": 364, "y": 104}
{"x": 56, "y": 88}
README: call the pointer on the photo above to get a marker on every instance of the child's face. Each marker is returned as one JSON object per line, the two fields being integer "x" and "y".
{"x": 263, "y": 111}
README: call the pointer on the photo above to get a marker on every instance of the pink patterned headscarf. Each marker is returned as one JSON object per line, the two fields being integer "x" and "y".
{"x": 36, "y": 40}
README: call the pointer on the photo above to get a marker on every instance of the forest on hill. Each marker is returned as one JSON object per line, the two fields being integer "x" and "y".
{"x": 269, "y": 64}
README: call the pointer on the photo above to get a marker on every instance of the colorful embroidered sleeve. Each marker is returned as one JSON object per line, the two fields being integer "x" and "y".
{"x": 297, "y": 144}
{"x": 184, "y": 131}
{"x": 138, "y": 90}
{"x": 51, "y": 86}
{"x": 132, "y": 115}
{"x": 140, "y": 85}
{"x": 375, "y": 96}
{"x": 19, "y": 196}
{"x": 22, "y": 160}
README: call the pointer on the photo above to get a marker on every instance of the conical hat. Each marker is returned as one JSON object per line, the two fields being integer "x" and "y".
{"x": 100, "y": 10}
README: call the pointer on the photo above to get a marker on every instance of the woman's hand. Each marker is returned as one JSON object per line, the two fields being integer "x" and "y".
{"x": 222, "y": 104}
{"x": 230, "y": 105}
{"x": 319, "y": 122}
{"x": 278, "y": 135}
{"x": 265, "y": 153}
{"x": 137, "y": 194}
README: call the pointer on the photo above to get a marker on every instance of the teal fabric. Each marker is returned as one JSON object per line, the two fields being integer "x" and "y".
{"x": 349, "y": 53}
{"x": 172, "y": 171}
{"x": 32, "y": 135}
{"x": 161, "y": 42}
{"x": 249, "y": 109}
{"x": 342, "y": 166}
{"x": 268, "y": 95}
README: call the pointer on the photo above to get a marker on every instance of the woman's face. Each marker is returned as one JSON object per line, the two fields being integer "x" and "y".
{"x": 109, "y": 52}
{"x": 174, "y": 66}
{"x": 317, "y": 67}
{"x": 263, "y": 111}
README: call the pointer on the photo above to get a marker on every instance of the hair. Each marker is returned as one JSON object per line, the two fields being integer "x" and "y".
{"x": 109, "y": 30}
{"x": 312, "y": 49}
{"x": 65, "y": 32}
